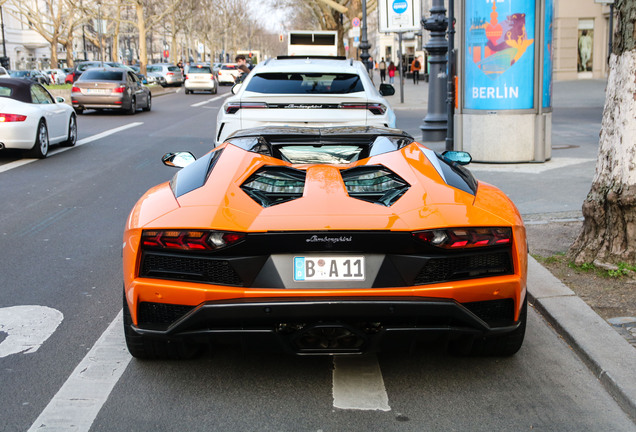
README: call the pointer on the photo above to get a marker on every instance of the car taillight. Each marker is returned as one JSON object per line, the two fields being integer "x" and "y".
{"x": 189, "y": 239}
{"x": 187, "y": 77}
{"x": 7, "y": 118}
{"x": 75, "y": 90}
{"x": 375, "y": 108}
{"x": 459, "y": 238}
{"x": 233, "y": 107}
{"x": 169, "y": 74}
{"x": 119, "y": 89}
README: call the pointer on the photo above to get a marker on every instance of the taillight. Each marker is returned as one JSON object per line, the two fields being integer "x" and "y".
{"x": 187, "y": 77}
{"x": 459, "y": 238}
{"x": 375, "y": 108}
{"x": 75, "y": 90}
{"x": 233, "y": 107}
{"x": 7, "y": 118}
{"x": 220, "y": 73}
{"x": 169, "y": 74}
{"x": 192, "y": 240}
{"x": 119, "y": 89}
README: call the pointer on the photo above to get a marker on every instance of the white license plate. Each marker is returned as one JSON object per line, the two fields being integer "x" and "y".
{"x": 329, "y": 268}
{"x": 98, "y": 91}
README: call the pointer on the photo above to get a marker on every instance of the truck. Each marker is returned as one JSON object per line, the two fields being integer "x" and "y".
{"x": 312, "y": 42}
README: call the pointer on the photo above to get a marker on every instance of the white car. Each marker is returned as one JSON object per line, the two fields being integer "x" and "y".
{"x": 57, "y": 75}
{"x": 200, "y": 78}
{"x": 4, "y": 73}
{"x": 305, "y": 91}
{"x": 228, "y": 73}
{"x": 31, "y": 119}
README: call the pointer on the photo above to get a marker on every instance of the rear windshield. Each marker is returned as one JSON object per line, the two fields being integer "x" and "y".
{"x": 5, "y": 91}
{"x": 102, "y": 75}
{"x": 325, "y": 154}
{"x": 174, "y": 69}
{"x": 302, "y": 83}
{"x": 199, "y": 69}
{"x": 228, "y": 66}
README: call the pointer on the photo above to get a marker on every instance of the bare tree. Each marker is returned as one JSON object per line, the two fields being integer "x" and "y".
{"x": 608, "y": 236}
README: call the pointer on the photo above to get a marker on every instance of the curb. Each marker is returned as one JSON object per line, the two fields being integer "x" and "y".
{"x": 608, "y": 355}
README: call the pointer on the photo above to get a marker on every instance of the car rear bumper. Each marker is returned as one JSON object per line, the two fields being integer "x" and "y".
{"x": 113, "y": 102}
{"x": 200, "y": 85}
{"x": 329, "y": 326}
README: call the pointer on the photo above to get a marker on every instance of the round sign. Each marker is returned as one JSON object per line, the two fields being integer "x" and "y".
{"x": 400, "y": 6}
{"x": 355, "y": 22}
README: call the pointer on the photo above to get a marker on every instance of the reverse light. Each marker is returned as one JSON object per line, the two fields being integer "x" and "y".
{"x": 9, "y": 118}
{"x": 375, "y": 108}
{"x": 192, "y": 240}
{"x": 460, "y": 238}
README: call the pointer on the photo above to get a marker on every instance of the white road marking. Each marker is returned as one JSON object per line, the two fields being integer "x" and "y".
{"x": 358, "y": 384}
{"x": 27, "y": 328}
{"x": 198, "y": 104}
{"x": 21, "y": 162}
{"x": 77, "y": 403}
{"x": 529, "y": 168}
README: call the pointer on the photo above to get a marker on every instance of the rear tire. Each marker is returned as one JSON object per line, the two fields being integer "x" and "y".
{"x": 504, "y": 345}
{"x": 133, "y": 107}
{"x": 72, "y": 132}
{"x": 149, "y": 104}
{"x": 41, "y": 147}
{"x": 145, "y": 348}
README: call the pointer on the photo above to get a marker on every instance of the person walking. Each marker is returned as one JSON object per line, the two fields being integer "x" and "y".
{"x": 392, "y": 70}
{"x": 415, "y": 69}
{"x": 382, "y": 67}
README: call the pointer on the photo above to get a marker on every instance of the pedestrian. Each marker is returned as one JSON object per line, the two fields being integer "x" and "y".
{"x": 382, "y": 67}
{"x": 180, "y": 66}
{"x": 391, "y": 70}
{"x": 242, "y": 67}
{"x": 415, "y": 69}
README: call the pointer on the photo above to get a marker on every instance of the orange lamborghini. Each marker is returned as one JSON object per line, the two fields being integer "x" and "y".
{"x": 323, "y": 241}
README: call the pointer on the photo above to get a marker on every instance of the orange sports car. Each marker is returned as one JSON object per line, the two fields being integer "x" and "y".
{"x": 324, "y": 241}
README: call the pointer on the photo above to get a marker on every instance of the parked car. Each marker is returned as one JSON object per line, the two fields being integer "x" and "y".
{"x": 56, "y": 75}
{"x": 228, "y": 72}
{"x": 156, "y": 78}
{"x": 171, "y": 73}
{"x": 200, "y": 78}
{"x": 110, "y": 88}
{"x": 31, "y": 75}
{"x": 31, "y": 119}
{"x": 301, "y": 91}
{"x": 324, "y": 241}
{"x": 4, "y": 73}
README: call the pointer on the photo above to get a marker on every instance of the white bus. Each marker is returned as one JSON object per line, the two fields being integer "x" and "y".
{"x": 321, "y": 43}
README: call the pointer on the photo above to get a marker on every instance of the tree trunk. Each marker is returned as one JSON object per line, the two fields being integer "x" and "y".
{"x": 54, "y": 64}
{"x": 141, "y": 28}
{"x": 608, "y": 236}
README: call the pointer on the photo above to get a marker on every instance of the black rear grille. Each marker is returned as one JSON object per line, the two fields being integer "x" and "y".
{"x": 493, "y": 312}
{"x": 189, "y": 268}
{"x": 160, "y": 314}
{"x": 464, "y": 267}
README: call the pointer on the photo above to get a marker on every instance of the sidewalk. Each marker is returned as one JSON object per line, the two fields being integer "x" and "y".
{"x": 555, "y": 190}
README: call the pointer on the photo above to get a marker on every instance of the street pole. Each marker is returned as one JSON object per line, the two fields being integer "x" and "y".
{"x": 4, "y": 47}
{"x": 450, "y": 80}
{"x": 611, "y": 31}
{"x": 435, "y": 123}
{"x": 364, "y": 43}
{"x": 401, "y": 69}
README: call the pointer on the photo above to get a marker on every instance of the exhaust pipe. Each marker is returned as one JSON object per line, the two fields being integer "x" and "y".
{"x": 328, "y": 339}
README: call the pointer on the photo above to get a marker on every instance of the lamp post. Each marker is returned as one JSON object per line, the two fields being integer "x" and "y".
{"x": 364, "y": 43}
{"x": 4, "y": 61}
{"x": 435, "y": 123}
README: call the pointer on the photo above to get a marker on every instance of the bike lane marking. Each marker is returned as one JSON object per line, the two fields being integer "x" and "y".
{"x": 21, "y": 162}
{"x": 79, "y": 400}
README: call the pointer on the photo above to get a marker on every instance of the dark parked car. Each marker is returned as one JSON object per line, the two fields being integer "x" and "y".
{"x": 33, "y": 75}
{"x": 80, "y": 67}
{"x": 110, "y": 88}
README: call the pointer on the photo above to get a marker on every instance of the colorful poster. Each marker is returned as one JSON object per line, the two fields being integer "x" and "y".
{"x": 499, "y": 66}
{"x": 547, "y": 53}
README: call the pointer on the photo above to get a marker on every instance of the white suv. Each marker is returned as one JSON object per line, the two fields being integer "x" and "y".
{"x": 305, "y": 91}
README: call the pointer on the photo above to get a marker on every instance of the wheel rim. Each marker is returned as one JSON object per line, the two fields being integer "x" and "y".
{"x": 72, "y": 131}
{"x": 133, "y": 106}
{"x": 44, "y": 139}
{"x": 149, "y": 101}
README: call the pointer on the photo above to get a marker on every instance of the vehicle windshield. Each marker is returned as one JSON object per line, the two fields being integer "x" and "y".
{"x": 303, "y": 83}
{"x": 174, "y": 69}
{"x": 101, "y": 75}
{"x": 19, "y": 74}
{"x": 323, "y": 154}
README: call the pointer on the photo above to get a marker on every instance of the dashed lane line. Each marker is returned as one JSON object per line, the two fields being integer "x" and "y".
{"x": 358, "y": 384}
{"x": 198, "y": 104}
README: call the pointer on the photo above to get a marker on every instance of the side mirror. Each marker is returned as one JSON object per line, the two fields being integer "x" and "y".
{"x": 387, "y": 89}
{"x": 178, "y": 159}
{"x": 236, "y": 88}
{"x": 459, "y": 157}
{"x": 60, "y": 99}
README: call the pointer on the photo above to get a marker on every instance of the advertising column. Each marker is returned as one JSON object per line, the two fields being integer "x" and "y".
{"x": 503, "y": 81}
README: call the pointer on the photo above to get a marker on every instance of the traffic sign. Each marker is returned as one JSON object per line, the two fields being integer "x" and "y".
{"x": 355, "y": 22}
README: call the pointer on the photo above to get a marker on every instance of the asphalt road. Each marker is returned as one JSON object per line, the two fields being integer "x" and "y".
{"x": 60, "y": 229}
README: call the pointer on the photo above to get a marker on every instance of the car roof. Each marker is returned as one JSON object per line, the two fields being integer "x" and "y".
{"x": 309, "y": 64}
{"x": 20, "y": 88}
